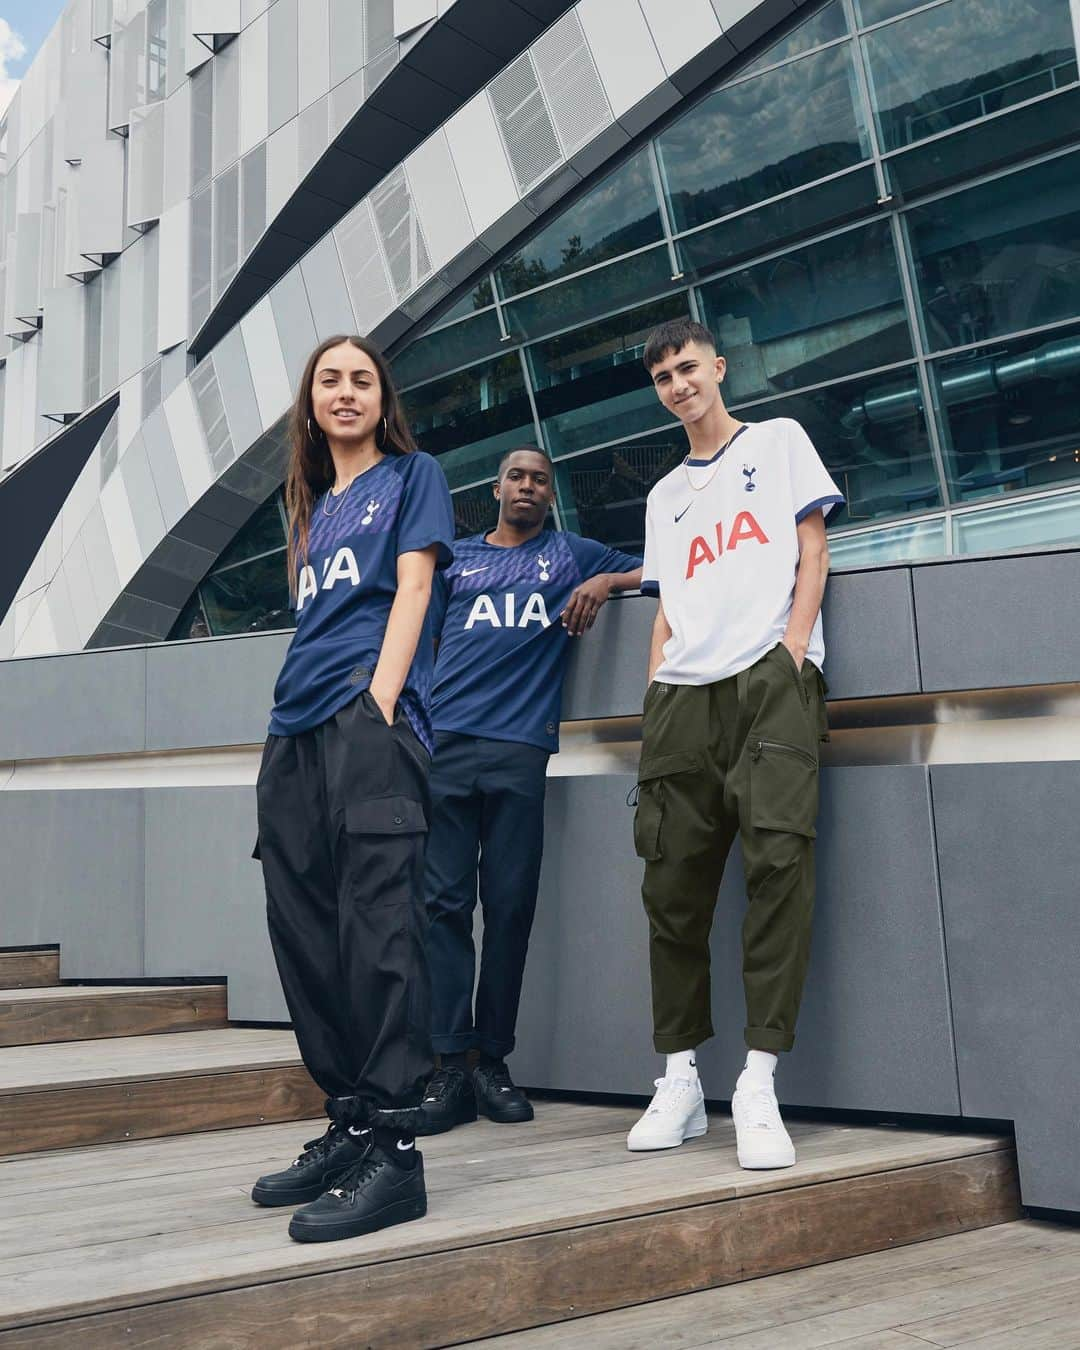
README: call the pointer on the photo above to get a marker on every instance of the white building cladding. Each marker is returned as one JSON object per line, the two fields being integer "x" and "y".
{"x": 164, "y": 163}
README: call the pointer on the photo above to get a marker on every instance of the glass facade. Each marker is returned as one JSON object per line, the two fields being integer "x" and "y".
{"x": 879, "y": 218}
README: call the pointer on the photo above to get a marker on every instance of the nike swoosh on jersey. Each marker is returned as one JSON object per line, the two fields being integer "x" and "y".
{"x": 680, "y": 514}
{"x": 468, "y": 571}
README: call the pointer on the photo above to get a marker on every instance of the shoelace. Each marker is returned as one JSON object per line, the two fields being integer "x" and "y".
{"x": 315, "y": 1147}
{"x": 363, "y": 1170}
{"x": 439, "y": 1085}
{"x": 668, "y": 1095}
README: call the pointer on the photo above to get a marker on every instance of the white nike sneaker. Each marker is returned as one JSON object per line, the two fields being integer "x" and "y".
{"x": 676, "y": 1113}
{"x": 759, "y": 1132}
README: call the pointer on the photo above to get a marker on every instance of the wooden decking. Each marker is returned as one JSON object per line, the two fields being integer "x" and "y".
{"x": 154, "y": 1241}
{"x": 1014, "y": 1286}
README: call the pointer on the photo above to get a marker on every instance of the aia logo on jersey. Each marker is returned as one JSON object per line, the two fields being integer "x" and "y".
{"x": 743, "y": 528}
{"x": 484, "y": 611}
{"x": 341, "y": 567}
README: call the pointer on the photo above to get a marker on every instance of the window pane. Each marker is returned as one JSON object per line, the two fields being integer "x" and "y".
{"x": 924, "y": 539}
{"x": 871, "y": 434}
{"x": 777, "y": 223}
{"x": 475, "y": 510}
{"x": 472, "y": 418}
{"x": 580, "y": 298}
{"x": 984, "y": 146}
{"x": 191, "y": 622}
{"x": 751, "y": 141}
{"x": 618, "y": 215}
{"x": 958, "y": 62}
{"x": 590, "y": 384}
{"x": 478, "y": 298}
{"x": 1011, "y": 416}
{"x": 824, "y": 26}
{"x": 602, "y": 494}
{"x": 447, "y": 348}
{"x": 1000, "y": 257}
{"x": 263, "y": 532}
{"x": 810, "y": 315}
{"x": 1056, "y": 520}
{"x": 250, "y": 598}
{"x": 877, "y": 11}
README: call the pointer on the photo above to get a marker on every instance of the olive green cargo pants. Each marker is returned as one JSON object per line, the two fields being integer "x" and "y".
{"x": 740, "y": 756}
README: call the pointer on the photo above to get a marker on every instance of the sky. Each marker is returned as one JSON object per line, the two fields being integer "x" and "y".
{"x": 24, "y": 25}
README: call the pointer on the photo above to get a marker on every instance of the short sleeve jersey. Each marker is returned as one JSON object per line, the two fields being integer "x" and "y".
{"x": 502, "y": 646}
{"x": 722, "y": 552}
{"x": 346, "y": 589}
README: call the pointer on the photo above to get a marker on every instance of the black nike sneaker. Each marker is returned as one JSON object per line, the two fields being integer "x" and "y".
{"x": 319, "y": 1166}
{"x": 448, "y": 1101}
{"x": 497, "y": 1096}
{"x": 375, "y": 1193}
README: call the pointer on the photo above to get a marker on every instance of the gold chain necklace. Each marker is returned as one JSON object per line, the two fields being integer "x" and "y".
{"x": 694, "y": 487}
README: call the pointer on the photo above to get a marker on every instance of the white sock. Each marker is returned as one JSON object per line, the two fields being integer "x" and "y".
{"x": 759, "y": 1070}
{"x": 683, "y": 1064}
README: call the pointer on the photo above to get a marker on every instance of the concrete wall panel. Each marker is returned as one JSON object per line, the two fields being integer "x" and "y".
{"x": 109, "y": 688}
{"x": 1010, "y": 857}
{"x": 870, "y": 639}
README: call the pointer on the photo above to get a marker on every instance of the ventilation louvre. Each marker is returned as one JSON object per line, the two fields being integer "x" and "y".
{"x": 365, "y": 273}
{"x": 571, "y": 84}
{"x": 524, "y": 123}
{"x": 401, "y": 235}
{"x": 204, "y": 383}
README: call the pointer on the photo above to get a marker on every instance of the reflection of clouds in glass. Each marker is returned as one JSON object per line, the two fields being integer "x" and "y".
{"x": 941, "y": 49}
{"x": 611, "y": 206}
{"x": 737, "y": 131}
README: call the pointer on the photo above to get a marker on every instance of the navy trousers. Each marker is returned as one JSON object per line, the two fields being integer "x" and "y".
{"x": 486, "y": 839}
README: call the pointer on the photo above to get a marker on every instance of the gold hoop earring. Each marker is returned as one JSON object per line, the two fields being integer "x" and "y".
{"x": 385, "y": 431}
{"x": 311, "y": 434}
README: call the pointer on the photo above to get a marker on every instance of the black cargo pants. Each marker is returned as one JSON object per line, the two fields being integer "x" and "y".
{"x": 343, "y": 816}
{"x": 739, "y": 756}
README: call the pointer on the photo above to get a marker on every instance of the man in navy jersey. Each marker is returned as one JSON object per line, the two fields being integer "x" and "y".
{"x": 504, "y": 613}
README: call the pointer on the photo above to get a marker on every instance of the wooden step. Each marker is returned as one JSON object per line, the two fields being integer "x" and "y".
{"x": 92, "y": 1012}
{"x": 29, "y": 967}
{"x": 136, "y": 1087}
{"x": 157, "y": 1242}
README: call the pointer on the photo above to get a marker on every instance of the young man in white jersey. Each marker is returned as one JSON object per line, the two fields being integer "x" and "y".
{"x": 734, "y": 712}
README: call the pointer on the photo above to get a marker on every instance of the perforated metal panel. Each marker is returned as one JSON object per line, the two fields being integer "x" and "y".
{"x": 253, "y": 198}
{"x": 571, "y": 84}
{"x": 524, "y": 123}
{"x": 365, "y": 271}
{"x": 146, "y": 164}
{"x": 201, "y": 237}
{"x": 211, "y": 411}
{"x": 226, "y": 229}
{"x": 400, "y": 233}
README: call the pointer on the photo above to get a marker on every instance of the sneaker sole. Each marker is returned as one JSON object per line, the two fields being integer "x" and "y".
{"x": 400, "y": 1212}
{"x": 766, "y": 1164}
{"x": 518, "y": 1117}
{"x": 694, "y": 1131}
{"x": 275, "y": 1199}
{"x": 429, "y": 1127}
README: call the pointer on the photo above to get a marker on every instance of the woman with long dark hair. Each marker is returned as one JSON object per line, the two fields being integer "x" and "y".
{"x": 342, "y": 792}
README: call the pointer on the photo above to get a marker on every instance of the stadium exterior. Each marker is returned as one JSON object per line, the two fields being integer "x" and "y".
{"x": 876, "y": 207}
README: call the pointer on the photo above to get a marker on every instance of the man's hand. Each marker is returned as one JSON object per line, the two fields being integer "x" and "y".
{"x": 797, "y": 649}
{"x": 585, "y": 604}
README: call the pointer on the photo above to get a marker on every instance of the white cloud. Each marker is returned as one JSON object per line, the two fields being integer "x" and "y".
{"x": 12, "y": 48}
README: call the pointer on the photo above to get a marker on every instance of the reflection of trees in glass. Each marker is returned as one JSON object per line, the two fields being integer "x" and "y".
{"x": 618, "y": 215}
{"x": 469, "y": 405}
{"x": 750, "y": 141}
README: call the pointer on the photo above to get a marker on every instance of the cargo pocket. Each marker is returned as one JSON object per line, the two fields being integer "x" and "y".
{"x": 385, "y": 816}
{"x": 385, "y": 850}
{"x": 783, "y": 787}
{"x": 649, "y": 816}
